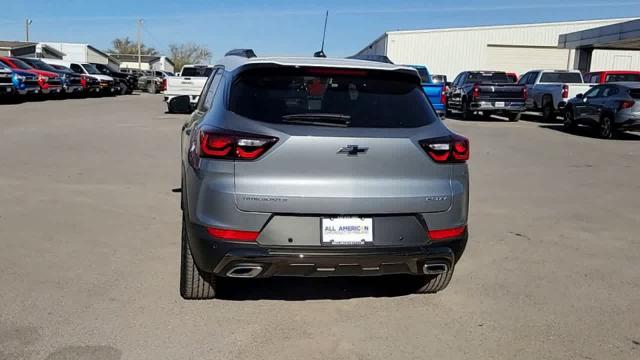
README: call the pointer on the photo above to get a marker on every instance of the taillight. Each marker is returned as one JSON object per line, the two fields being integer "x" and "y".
{"x": 565, "y": 91}
{"x": 525, "y": 93}
{"x": 450, "y": 149}
{"x": 446, "y": 234}
{"x": 233, "y": 145}
{"x": 83, "y": 82}
{"x": 476, "y": 92}
{"x": 164, "y": 84}
{"x": 626, "y": 104}
{"x": 443, "y": 96}
{"x": 233, "y": 235}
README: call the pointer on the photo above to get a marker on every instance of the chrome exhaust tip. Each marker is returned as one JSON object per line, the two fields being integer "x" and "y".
{"x": 244, "y": 271}
{"x": 435, "y": 269}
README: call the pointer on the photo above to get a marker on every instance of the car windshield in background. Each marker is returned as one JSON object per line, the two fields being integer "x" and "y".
{"x": 560, "y": 77}
{"x": 197, "y": 71}
{"x": 43, "y": 65}
{"x": 169, "y": 73}
{"x": 21, "y": 64}
{"x": 91, "y": 69}
{"x": 622, "y": 77}
{"x": 422, "y": 71}
{"x": 488, "y": 78}
{"x": 331, "y": 97}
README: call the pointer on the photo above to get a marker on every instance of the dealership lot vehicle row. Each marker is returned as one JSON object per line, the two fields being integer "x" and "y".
{"x": 553, "y": 263}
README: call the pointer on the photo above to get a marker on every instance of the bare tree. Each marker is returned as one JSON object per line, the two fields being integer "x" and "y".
{"x": 126, "y": 46}
{"x": 189, "y": 53}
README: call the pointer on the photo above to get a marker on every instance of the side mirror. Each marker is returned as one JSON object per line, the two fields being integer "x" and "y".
{"x": 580, "y": 96}
{"x": 181, "y": 105}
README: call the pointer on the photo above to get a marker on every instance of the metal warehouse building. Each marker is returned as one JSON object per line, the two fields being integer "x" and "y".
{"x": 512, "y": 48}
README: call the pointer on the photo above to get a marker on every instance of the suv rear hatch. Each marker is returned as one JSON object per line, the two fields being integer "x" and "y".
{"x": 348, "y": 143}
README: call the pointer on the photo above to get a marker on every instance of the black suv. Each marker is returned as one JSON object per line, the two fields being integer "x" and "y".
{"x": 127, "y": 82}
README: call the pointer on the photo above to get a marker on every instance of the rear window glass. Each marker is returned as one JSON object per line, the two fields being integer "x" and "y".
{"x": 635, "y": 93}
{"x": 487, "y": 78}
{"x": 622, "y": 77}
{"x": 340, "y": 97}
{"x": 561, "y": 77}
{"x": 197, "y": 71}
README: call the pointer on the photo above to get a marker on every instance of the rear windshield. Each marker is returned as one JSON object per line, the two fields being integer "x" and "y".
{"x": 487, "y": 78}
{"x": 320, "y": 96}
{"x": 622, "y": 77}
{"x": 561, "y": 77}
{"x": 635, "y": 93}
{"x": 197, "y": 71}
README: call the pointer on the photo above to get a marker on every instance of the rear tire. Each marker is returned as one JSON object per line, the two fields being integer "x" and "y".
{"x": 151, "y": 88}
{"x": 548, "y": 112}
{"x": 195, "y": 284}
{"x": 569, "y": 122}
{"x": 606, "y": 130}
{"x": 431, "y": 284}
{"x": 466, "y": 113}
{"x": 513, "y": 117}
{"x": 486, "y": 115}
{"x": 124, "y": 89}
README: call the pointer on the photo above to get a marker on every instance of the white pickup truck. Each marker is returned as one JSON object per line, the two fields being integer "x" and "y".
{"x": 190, "y": 82}
{"x": 549, "y": 90}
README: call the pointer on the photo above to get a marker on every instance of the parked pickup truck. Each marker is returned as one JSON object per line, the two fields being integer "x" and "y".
{"x": 191, "y": 82}
{"x": 549, "y": 90}
{"x": 602, "y": 77}
{"x": 435, "y": 92}
{"x": 491, "y": 92}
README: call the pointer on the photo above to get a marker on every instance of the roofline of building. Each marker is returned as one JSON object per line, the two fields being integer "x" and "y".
{"x": 490, "y": 27}
{"x": 26, "y": 44}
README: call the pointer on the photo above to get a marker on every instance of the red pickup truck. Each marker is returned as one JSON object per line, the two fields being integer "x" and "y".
{"x": 49, "y": 82}
{"x": 601, "y": 77}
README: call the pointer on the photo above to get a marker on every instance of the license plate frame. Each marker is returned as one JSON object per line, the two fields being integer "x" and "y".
{"x": 346, "y": 231}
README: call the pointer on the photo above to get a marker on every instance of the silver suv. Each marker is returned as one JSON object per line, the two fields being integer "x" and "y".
{"x": 319, "y": 167}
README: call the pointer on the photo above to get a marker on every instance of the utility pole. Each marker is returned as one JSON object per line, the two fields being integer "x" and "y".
{"x": 27, "y": 22}
{"x": 139, "y": 45}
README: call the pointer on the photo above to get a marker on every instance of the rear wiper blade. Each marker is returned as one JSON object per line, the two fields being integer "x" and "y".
{"x": 322, "y": 119}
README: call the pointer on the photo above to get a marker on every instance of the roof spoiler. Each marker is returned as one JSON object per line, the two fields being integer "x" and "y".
{"x": 245, "y": 53}
{"x": 376, "y": 58}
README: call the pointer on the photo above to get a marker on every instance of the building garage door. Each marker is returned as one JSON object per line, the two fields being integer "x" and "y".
{"x": 520, "y": 59}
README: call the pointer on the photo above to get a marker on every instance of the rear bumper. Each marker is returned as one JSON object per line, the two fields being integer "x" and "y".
{"x": 220, "y": 257}
{"x": 490, "y": 105}
{"x": 629, "y": 125}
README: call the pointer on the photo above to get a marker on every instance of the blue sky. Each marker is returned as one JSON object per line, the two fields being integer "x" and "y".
{"x": 278, "y": 26}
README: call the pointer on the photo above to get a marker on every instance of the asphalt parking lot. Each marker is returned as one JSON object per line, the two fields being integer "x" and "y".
{"x": 89, "y": 254}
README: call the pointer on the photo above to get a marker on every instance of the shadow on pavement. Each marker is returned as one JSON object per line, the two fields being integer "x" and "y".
{"x": 300, "y": 289}
{"x": 588, "y": 132}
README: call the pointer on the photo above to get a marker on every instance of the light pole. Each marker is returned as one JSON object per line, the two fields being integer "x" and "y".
{"x": 27, "y": 22}
{"x": 139, "y": 54}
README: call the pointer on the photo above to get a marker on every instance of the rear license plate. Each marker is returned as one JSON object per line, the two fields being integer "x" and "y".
{"x": 347, "y": 231}
{"x": 499, "y": 104}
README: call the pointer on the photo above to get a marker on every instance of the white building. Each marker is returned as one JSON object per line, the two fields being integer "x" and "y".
{"x": 511, "y": 48}
{"x": 147, "y": 62}
{"x": 83, "y": 53}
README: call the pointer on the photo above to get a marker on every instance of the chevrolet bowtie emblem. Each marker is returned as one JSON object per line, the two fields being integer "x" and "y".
{"x": 352, "y": 150}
